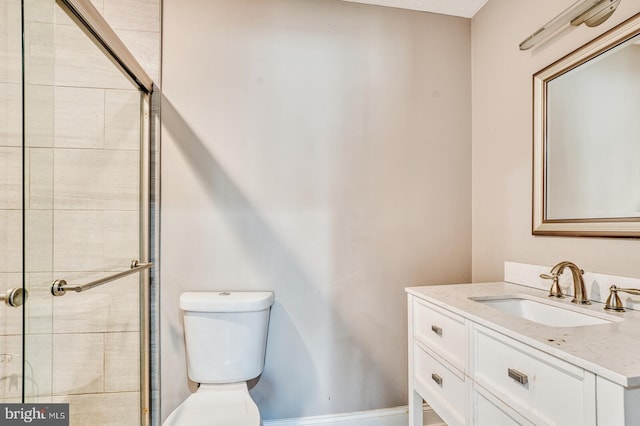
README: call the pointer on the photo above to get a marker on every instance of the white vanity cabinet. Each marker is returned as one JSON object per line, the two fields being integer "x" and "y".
{"x": 438, "y": 350}
{"x": 472, "y": 375}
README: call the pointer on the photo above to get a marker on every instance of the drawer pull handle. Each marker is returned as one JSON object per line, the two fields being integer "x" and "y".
{"x": 436, "y": 379}
{"x": 518, "y": 376}
{"x": 437, "y": 330}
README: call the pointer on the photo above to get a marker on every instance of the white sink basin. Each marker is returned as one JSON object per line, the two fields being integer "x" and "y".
{"x": 542, "y": 312}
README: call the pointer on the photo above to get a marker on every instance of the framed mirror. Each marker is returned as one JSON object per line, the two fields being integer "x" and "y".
{"x": 586, "y": 139}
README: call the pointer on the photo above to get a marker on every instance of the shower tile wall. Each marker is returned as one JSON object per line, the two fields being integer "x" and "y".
{"x": 82, "y": 176}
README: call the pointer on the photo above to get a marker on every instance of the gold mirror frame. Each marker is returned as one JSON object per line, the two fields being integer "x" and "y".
{"x": 601, "y": 227}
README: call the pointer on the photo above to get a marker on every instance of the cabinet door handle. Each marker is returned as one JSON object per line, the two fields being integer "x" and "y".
{"x": 436, "y": 378}
{"x": 437, "y": 330}
{"x": 518, "y": 376}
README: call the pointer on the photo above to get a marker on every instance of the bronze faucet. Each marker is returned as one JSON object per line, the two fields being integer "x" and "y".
{"x": 579, "y": 290}
{"x": 613, "y": 301}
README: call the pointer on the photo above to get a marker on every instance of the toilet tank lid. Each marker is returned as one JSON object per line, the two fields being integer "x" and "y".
{"x": 226, "y": 301}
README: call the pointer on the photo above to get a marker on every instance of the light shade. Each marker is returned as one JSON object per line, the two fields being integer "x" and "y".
{"x": 590, "y": 12}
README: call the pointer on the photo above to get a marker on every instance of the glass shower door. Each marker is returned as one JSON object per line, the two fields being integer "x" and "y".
{"x": 10, "y": 198}
{"x": 83, "y": 222}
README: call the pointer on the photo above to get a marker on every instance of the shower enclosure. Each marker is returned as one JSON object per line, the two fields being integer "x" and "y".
{"x": 74, "y": 213}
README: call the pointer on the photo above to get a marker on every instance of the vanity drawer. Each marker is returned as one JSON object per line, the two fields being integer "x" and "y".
{"x": 489, "y": 410}
{"x": 545, "y": 389}
{"x": 440, "y": 330}
{"x": 440, "y": 385}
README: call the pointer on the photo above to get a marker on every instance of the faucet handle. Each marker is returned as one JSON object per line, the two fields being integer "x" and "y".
{"x": 555, "y": 290}
{"x": 613, "y": 302}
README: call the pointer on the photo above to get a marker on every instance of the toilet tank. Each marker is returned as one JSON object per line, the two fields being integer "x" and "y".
{"x": 225, "y": 334}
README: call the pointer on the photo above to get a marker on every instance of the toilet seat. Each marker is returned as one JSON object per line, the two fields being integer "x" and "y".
{"x": 217, "y": 405}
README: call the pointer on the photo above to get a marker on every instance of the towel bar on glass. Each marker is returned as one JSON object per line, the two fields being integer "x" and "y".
{"x": 60, "y": 287}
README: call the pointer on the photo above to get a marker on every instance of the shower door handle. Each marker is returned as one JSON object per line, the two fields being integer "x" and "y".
{"x": 14, "y": 297}
{"x": 60, "y": 287}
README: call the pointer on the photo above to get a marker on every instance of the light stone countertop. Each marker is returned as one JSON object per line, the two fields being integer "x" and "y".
{"x": 609, "y": 350}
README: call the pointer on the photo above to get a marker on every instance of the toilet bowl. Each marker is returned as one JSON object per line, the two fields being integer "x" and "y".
{"x": 228, "y": 405}
{"x": 225, "y": 340}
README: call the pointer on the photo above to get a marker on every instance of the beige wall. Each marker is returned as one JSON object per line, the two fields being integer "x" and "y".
{"x": 502, "y": 142}
{"x": 319, "y": 149}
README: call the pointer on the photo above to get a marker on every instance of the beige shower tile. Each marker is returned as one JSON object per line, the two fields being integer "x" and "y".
{"x": 63, "y": 18}
{"x": 86, "y": 312}
{"x": 10, "y": 318}
{"x": 39, "y": 310}
{"x": 96, "y": 179}
{"x": 11, "y": 42}
{"x": 124, "y": 311}
{"x": 40, "y": 61}
{"x": 122, "y": 120}
{"x": 40, "y": 178}
{"x": 10, "y": 241}
{"x": 121, "y": 238}
{"x": 112, "y": 307}
{"x": 145, "y": 47}
{"x": 82, "y": 369}
{"x": 122, "y": 362}
{"x": 10, "y": 114}
{"x": 11, "y": 366}
{"x": 39, "y": 115}
{"x": 10, "y": 178}
{"x": 38, "y": 365}
{"x": 80, "y": 63}
{"x": 94, "y": 241}
{"x": 121, "y": 408}
{"x": 78, "y": 241}
{"x": 99, "y": 4}
{"x": 79, "y": 117}
{"x": 39, "y": 240}
{"x": 39, "y": 11}
{"x": 140, "y": 15}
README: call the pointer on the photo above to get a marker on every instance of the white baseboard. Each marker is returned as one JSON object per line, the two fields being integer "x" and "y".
{"x": 397, "y": 416}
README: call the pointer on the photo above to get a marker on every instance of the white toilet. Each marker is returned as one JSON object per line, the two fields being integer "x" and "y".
{"x": 226, "y": 338}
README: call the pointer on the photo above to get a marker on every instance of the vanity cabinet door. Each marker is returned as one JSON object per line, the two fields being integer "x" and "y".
{"x": 544, "y": 389}
{"x": 443, "y": 387}
{"x": 490, "y": 411}
{"x": 441, "y": 331}
{"x": 617, "y": 405}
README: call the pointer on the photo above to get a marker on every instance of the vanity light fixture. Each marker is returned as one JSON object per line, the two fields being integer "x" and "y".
{"x": 590, "y": 12}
